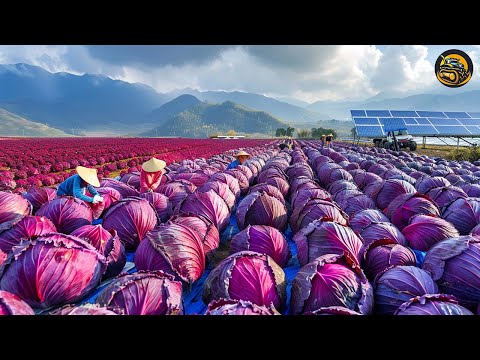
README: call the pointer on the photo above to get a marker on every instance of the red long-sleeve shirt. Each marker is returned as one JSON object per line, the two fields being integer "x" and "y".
{"x": 149, "y": 180}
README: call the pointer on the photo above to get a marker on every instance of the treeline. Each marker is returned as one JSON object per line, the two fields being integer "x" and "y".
{"x": 315, "y": 133}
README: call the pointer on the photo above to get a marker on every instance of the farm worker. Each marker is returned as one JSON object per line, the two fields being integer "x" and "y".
{"x": 322, "y": 140}
{"x": 78, "y": 184}
{"x": 151, "y": 175}
{"x": 283, "y": 146}
{"x": 328, "y": 139}
{"x": 241, "y": 157}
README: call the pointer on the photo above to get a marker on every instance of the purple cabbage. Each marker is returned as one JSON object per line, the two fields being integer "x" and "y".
{"x": 107, "y": 243}
{"x": 399, "y": 284}
{"x": 269, "y": 189}
{"x": 13, "y": 207}
{"x": 110, "y": 197}
{"x": 176, "y": 191}
{"x": 29, "y": 227}
{"x": 124, "y": 189}
{"x": 472, "y": 190}
{"x": 52, "y": 270}
{"x": 132, "y": 179}
{"x": 11, "y": 304}
{"x": 144, "y": 293}
{"x": 250, "y": 276}
{"x": 331, "y": 280}
{"x": 363, "y": 179}
{"x": 364, "y": 218}
{"x": 444, "y": 196}
{"x": 87, "y": 309}
{"x": 380, "y": 255}
{"x": 382, "y": 231}
{"x": 301, "y": 197}
{"x": 390, "y": 190}
{"x": 427, "y": 183}
{"x": 425, "y": 231}
{"x": 262, "y": 239}
{"x": 464, "y": 214}
{"x": 160, "y": 203}
{"x": 455, "y": 265}
{"x": 356, "y": 203}
{"x": 238, "y": 307}
{"x": 316, "y": 209}
{"x": 205, "y": 228}
{"x": 173, "y": 248}
{"x": 405, "y": 206}
{"x": 222, "y": 190}
{"x": 299, "y": 169}
{"x": 326, "y": 237}
{"x": 242, "y": 179}
{"x": 332, "y": 310}
{"x": 37, "y": 196}
{"x": 196, "y": 178}
{"x": 67, "y": 213}
{"x": 208, "y": 204}
{"x": 340, "y": 185}
{"x": 432, "y": 304}
{"x": 259, "y": 208}
{"x": 228, "y": 179}
{"x": 132, "y": 218}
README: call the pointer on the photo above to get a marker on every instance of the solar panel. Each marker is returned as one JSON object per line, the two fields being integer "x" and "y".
{"x": 369, "y": 131}
{"x": 475, "y": 130}
{"x": 435, "y": 121}
{"x": 423, "y": 121}
{"x": 410, "y": 121}
{"x": 452, "y": 130}
{"x": 469, "y": 122}
{"x": 403, "y": 113}
{"x": 435, "y": 114}
{"x": 379, "y": 113}
{"x": 366, "y": 121}
{"x": 373, "y": 123}
{"x": 457, "y": 114}
{"x": 421, "y": 130}
{"x": 358, "y": 113}
{"x": 390, "y": 124}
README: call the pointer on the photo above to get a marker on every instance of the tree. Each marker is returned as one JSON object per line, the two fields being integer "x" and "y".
{"x": 289, "y": 131}
{"x": 280, "y": 132}
{"x": 231, "y": 133}
{"x": 304, "y": 133}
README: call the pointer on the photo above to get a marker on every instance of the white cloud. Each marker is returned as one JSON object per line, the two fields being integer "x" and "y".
{"x": 309, "y": 73}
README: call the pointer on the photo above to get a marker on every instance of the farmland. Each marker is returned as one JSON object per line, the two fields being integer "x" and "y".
{"x": 346, "y": 230}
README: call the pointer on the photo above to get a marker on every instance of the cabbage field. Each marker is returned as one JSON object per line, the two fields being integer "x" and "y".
{"x": 346, "y": 230}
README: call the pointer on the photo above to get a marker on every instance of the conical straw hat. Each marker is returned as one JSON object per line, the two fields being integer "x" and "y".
{"x": 153, "y": 165}
{"x": 240, "y": 153}
{"x": 89, "y": 175}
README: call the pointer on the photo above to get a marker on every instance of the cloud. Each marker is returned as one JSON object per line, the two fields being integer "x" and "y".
{"x": 404, "y": 68}
{"x": 153, "y": 56}
{"x": 306, "y": 72}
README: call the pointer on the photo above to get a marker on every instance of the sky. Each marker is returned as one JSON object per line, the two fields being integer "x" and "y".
{"x": 303, "y": 72}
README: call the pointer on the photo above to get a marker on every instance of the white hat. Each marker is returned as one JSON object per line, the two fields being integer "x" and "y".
{"x": 240, "y": 153}
{"x": 153, "y": 165}
{"x": 89, "y": 175}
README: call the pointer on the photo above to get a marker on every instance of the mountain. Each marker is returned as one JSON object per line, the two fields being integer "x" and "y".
{"x": 14, "y": 125}
{"x": 204, "y": 119}
{"x": 161, "y": 115}
{"x": 465, "y": 101}
{"x": 67, "y": 101}
{"x": 287, "y": 112}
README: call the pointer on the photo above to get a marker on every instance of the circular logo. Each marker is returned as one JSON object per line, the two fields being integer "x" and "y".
{"x": 454, "y": 68}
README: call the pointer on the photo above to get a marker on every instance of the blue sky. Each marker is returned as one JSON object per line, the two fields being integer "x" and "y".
{"x": 304, "y": 72}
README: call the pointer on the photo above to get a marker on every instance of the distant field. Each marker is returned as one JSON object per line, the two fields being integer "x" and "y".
{"x": 48, "y": 161}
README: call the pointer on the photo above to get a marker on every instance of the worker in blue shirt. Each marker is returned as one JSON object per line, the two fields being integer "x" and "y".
{"x": 78, "y": 184}
{"x": 241, "y": 156}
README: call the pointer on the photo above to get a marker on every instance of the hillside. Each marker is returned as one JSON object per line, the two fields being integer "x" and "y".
{"x": 66, "y": 101}
{"x": 204, "y": 119}
{"x": 287, "y": 112}
{"x": 161, "y": 115}
{"x": 14, "y": 125}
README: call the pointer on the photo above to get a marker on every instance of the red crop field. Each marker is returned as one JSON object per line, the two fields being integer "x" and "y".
{"x": 48, "y": 161}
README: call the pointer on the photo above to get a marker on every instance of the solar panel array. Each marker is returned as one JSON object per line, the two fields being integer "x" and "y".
{"x": 375, "y": 123}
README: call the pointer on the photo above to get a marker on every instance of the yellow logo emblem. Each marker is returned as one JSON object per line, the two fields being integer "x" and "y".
{"x": 454, "y": 68}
